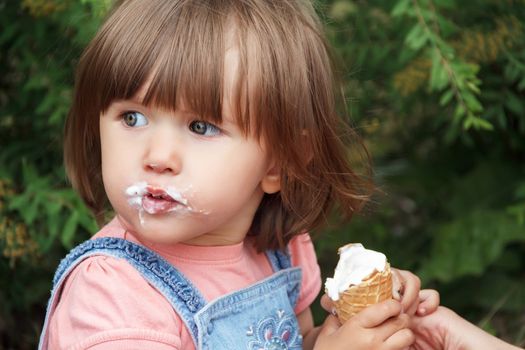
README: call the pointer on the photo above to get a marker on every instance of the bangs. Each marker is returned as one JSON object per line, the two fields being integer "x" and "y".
{"x": 160, "y": 45}
{"x": 182, "y": 74}
{"x": 282, "y": 84}
{"x": 176, "y": 50}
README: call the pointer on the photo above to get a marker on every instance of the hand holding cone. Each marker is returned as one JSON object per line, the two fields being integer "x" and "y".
{"x": 372, "y": 283}
{"x": 375, "y": 289}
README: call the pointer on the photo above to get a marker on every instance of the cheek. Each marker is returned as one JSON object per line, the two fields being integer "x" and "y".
{"x": 234, "y": 167}
{"x": 116, "y": 170}
{"x": 233, "y": 179}
{"x": 111, "y": 184}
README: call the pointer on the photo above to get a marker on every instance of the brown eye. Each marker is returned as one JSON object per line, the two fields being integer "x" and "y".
{"x": 133, "y": 119}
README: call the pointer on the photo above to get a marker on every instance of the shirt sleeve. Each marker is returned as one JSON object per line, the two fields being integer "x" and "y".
{"x": 106, "y": 304}
{"x": 303, "y": 255}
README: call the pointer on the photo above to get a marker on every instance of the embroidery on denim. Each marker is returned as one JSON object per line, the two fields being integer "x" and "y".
{"x": 275, "y": 332}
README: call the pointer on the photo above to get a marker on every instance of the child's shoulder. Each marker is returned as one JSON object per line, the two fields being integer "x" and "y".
{"x": 101, "y": 272}
{"x": 301, "y": 248}
{"x": 109, "y": 283}
{"x": 111, "y": 295}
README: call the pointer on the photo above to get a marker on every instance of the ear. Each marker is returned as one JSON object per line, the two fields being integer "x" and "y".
{"x": 271, "y": 183}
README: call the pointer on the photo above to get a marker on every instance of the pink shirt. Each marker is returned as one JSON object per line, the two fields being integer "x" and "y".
{"x": 107, "y": 304}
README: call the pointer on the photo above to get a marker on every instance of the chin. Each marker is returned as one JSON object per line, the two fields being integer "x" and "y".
{"x": 153, "y": 231}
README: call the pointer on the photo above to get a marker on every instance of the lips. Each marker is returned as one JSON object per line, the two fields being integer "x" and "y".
{"x": 158, "y": 201}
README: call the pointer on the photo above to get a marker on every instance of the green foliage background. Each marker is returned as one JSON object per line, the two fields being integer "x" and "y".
{"x": 436, "y": 87}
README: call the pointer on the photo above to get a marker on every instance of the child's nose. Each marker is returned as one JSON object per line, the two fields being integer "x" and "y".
{"x": 163, "y": 154}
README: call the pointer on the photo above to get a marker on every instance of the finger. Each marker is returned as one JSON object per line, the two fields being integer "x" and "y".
{"x": 410, "y": 291}
{"x": 397, "y": 285}
{"x": 327, "y": 303}
{"x": 330, "y": 325}
{"x": 392, "y": 326}
{"x": 428, "y": 301}
{"x": 402, "y": 339}
{"x": 376, "y": 314}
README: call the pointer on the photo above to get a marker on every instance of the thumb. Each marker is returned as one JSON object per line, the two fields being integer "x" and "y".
{"x": 327, "y": 303}
{"x": 330, "y": 325}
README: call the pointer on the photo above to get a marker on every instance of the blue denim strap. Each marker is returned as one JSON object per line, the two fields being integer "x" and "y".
{"x": 180, "y": 292}
{"x": 280, "y": 260}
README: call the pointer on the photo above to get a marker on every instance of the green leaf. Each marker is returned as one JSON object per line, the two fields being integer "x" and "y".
{"x": 472, "y": 102}
{"x": 416, "y": 37}
{"x": 87, "y": 221}
{"x": 438, "y": 74}
{"x": 68, "y": 232}
{"x": 446, "y": 97}
{"x": 477, "y": 123}
{"x": 47, "y": 104}
{"x": 446, "y": 26}
{"x": 17, "y": 202}
{"x": 469, "y": 244}
{"x": 484, "y": 124}
{"x": 53, "y": 208}
{"x": 53, "y": 224}
{"x": 518, "y": 211}
{"x": 29, "y": 213}
{"x": 473, "y": 87}
{"x": 449, "y": 4}
{"x": 401, "y": 8}
{"x": 459, "y": 112}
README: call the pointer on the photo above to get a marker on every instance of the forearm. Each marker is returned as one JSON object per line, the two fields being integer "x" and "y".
{"x": 462, "y": 334}
{"x": 481, "y": 340}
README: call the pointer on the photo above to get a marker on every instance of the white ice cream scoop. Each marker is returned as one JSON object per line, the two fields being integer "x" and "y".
{"x": 362, "y": 277}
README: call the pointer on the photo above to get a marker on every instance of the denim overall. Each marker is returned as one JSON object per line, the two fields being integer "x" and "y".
{"x": 259, "y": 317}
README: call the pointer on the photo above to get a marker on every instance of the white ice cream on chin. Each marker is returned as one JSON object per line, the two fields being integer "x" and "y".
{"x": 355, "y": 265}
{"x": 135, "y": 193}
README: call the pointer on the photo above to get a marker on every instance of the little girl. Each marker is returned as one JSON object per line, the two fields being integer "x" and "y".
{"x": 210, "y": 128}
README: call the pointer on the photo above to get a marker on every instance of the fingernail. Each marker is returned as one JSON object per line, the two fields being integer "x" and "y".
{"x": 422, "y": 311}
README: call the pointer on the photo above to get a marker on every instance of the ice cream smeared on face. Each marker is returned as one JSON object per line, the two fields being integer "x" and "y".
{"x": 135, "y": 193}
{"x": 355, "y": 265}
{"x": 156, "y": 200}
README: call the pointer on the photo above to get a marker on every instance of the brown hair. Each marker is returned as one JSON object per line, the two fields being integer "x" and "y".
{"x": 284, "y": 94}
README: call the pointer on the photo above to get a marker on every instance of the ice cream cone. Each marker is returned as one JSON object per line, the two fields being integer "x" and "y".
{"x": 374, "y": 289}
{"x": 361, "y": 278}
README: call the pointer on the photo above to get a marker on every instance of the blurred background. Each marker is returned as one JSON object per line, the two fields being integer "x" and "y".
{"x": 435, "y": 87}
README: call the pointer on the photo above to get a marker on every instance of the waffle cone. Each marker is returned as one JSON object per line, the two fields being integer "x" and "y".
{"x": 374, "y": 289}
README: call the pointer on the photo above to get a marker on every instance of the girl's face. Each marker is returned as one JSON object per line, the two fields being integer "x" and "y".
{"x": 172, "y": 177}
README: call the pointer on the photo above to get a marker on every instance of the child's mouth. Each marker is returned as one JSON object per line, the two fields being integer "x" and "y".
{"x": 158, "y": 201}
